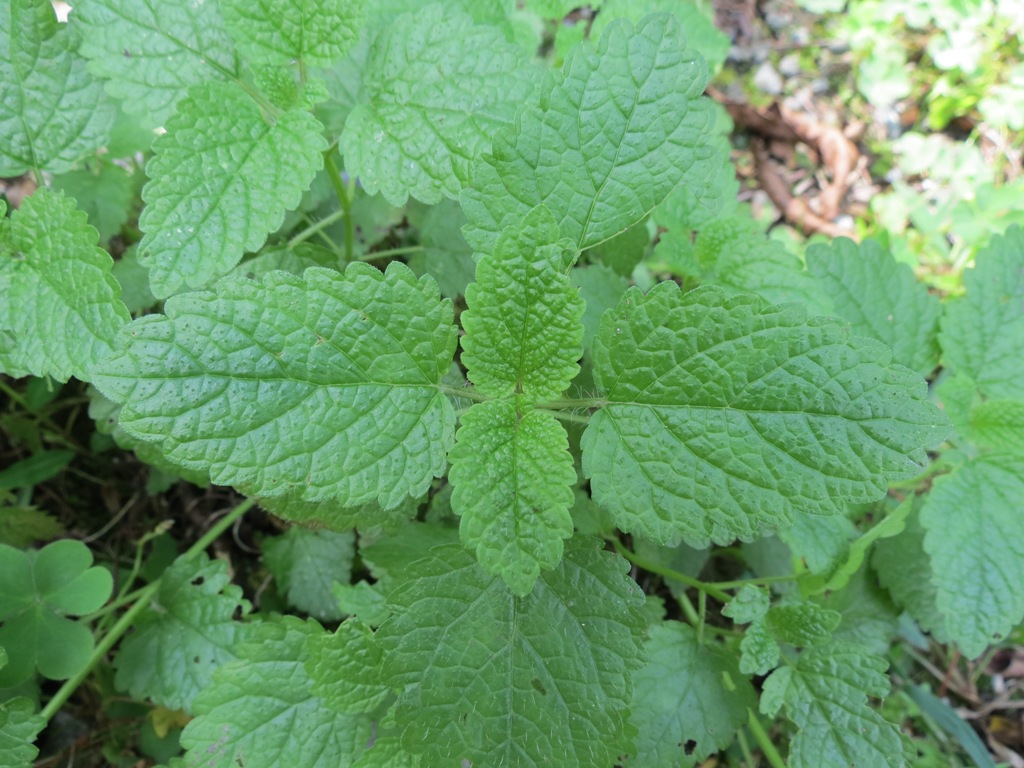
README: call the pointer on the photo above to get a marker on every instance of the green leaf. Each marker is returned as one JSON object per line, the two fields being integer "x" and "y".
{"x": 749, "y": 604}
{"x": 820, "y": 542}
{"x": 725, "y": 415}
{"x": 53, "y": 112}
{"x": 825, "y": 695}
{"x": 975, "y": 537}
{"x": 869, "y": 618}
{"x": 983, "y": 333}
{"x": 899, "y": 563}
{"x": 389, "y": 558}
{"x": 184, "y": 635}
{"x": 19, "y": 726}
{"x": 152, "y": 51}
{"x": 889, "y": 526}
{"x": 513, "y": 477}
{"x": 438, "y": 87}
{"x": 801, "y": 624}
{"x": 260, "y": 710}
{"x": 624, "y": 251}
{"x": 105, "y": 193}
{"x": 880, "y": 298}
{"x": 998, "y": 425}
{"x": 306, "y": 564}
{"x": 759, "y": 653}
{"x": 20, "y": 526}
{"x": 36, "y": 469}
{"x": 329, "y": 513}
{"x": 735, "y": 253}
{"x": 446, "y": 254}
{"x": 38, "y": 590}
{"x": 362, "y": 600}
{"x": 221, "y": 180}
{"x": 323, "y": 386}
{"x": 344, "y": 668}
{"x": 613, "y": 134}
{"x": 523, "y": 330}
{"x": 458, "y": 635}
{"x": 701, "y": 33}
{"x": 688, "y": 699}
{"x": 57, "y": 297}
{"x": 601, "y": 289}
{"x": 280, "y": 32}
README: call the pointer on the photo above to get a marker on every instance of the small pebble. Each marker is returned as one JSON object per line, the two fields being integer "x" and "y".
{"x": 767, "y": 80}
{"x": 790, "y": 65}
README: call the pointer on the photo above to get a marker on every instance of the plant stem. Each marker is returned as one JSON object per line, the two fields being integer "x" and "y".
{"x": 771, "y": 754}
{"x": 467, "y": 392}
{"x": 570, "y": 403}
{"x": 343, "y": 198}
{"x": 572, "y": 418}
{"x": 738, "y": 583}
{"x": 318, "y": 226}
{"x": 144, "y": 595}
{"x": 393, "y": 252}
{"x": 669, "y": 573}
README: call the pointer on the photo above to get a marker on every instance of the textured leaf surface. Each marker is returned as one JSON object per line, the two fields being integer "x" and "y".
{"x": 261, "y": 713}
{"x": 58, "y": 300}
{"x": 438, "y": 87}
{"x": 151, "y": 51}
{"x": 513, "y": 476}
{"x": 983, "y": 333}
{"x": 446, "y": 255}
{"x": 19, "y": 726}
{"x": 52, "y": 112}
{"x": 825, "y": 694}
{"x": 105, "y": 194}
{"x": 880, "y": 298}
{"x": 484, "y": 677}
{"x": 345, "y": 669}
{"x": 184, "y": 635}
{"x": 726, "y": 414}
{"x": 306, "y": 563}
{"x": 701, "y": 33}
{"x": 282, "y": 31}
{"x": 734, "y": 252}
{"x": 523, "y": 326}
{"x": 687, "y": 693}
{"x": 975, "y": 536}
{"x": 323, "y": 385}
{"x": 615, "y": 132}
{"x": 222, "y": 179}
{"x": 899, "y": 563}
{"x": 601, "y": 289}
{"x": 998, "y": 425}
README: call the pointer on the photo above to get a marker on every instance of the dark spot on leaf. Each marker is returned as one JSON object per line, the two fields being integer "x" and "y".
{"x": 198, "y": 581}
{"x": 539, "y": 686}
{"x": 689, "y": 746}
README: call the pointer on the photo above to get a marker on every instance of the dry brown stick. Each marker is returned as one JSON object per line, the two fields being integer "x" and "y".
{"x": 793, "y": 208}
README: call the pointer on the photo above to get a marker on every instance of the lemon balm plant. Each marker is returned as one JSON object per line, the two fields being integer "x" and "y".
{"x": 503, "y": 463}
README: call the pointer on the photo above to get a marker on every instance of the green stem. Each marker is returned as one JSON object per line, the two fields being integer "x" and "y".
{"x": 572, "y": 418}
{"x": 343, "y": 198}
{"x": 312, "y": 229}
{"x": 467, "y": 392}
{"x": 144, "y": 595}
{"x": 668, "y": 573}
{"x": 570, "y": 403}
{"x": 393, "y": 252}
{"x": 738, "y": 583}
{"x": 771, "y": 754}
